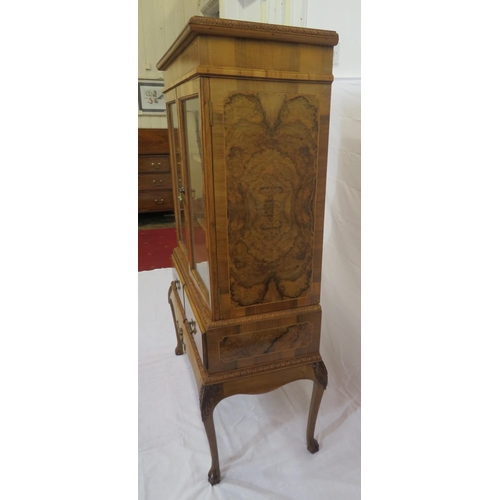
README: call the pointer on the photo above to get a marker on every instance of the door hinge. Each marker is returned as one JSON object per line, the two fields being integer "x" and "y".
{"x": 210, "y": 113}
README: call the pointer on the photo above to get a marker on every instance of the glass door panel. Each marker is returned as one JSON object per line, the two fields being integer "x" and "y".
{"x": 194, "y": 164}
{"x": 179, "y": 190}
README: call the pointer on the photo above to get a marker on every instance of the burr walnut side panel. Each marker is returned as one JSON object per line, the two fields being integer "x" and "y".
{"x": 235, "y": 347}
{"x": 265, "y": 338}
{"x": 271, "y": 145}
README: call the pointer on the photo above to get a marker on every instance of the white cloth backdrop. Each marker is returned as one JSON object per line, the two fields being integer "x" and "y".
{"x": 261, "y": 439}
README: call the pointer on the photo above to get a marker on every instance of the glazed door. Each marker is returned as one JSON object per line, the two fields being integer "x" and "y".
{"x": 269, "y": 144}
{"x": 178, "y": 176}
{"x": 193, "y": 130}
{"x": 197, "y": 199}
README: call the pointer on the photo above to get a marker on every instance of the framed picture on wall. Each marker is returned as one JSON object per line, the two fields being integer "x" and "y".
{"x": 151, "y": 100}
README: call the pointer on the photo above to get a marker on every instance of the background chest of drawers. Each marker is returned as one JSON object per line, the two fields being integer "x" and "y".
{"x": 155, "y": 178}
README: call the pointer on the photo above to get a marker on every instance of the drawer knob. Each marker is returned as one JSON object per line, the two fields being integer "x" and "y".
{"x": 192, "y": 327}
{"x": 159, "y": 202}
{"x": 160, "y": 181}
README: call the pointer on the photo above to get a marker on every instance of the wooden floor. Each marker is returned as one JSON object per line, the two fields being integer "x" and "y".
{"x": 156, "y": 220}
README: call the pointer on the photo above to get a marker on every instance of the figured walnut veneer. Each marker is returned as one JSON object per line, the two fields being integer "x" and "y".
{"x": 263, "y": 342}
{"x": 271, "y": 156}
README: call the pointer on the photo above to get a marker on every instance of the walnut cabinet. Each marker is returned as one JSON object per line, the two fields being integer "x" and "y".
{"x": 248, "y": 108}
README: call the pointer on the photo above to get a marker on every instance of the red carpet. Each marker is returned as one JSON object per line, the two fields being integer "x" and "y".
{"x": 155, "y": 248}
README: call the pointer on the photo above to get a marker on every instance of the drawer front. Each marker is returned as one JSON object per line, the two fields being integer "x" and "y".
{"x": 154, "y": 181}
{"x": 154, "y": 163}
{"x": 254, "y": 343}
{"x": 192, "y": 327}
{"x": 179, "y": 286}
{"x": 156, "y": 201}
{"x": 178, "y": 312}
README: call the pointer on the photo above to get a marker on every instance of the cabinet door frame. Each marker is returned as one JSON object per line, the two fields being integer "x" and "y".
{"x": 171, "y": 98}
{"x": 198, "y": 88}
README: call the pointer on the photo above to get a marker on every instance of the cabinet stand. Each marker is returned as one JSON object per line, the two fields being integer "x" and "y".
{"x": 211, "y": 394}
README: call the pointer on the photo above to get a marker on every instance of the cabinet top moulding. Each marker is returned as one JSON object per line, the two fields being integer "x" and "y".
{"x": 205, "y": 59}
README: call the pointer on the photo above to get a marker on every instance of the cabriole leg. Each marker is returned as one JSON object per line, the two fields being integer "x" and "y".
{"x": 210, "y": 395}
{"x": 214, "y": 472}
{"x": 320, "y": 384}
{"x": 178, "y": 329}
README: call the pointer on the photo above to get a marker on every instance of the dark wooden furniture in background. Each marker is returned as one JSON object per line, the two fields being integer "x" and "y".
{"x": 248, "y": 111}
{"x": 155, "y": 178}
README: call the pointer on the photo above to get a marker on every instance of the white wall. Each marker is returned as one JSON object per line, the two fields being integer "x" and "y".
{"x": 344, "y": 17}
{"x": 341, "y": 278}
{"x": 160, "y": 22}
{"x": 289, "y": 12}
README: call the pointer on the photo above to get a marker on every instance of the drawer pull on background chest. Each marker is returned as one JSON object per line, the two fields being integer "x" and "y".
{"x": 159, "y": 202}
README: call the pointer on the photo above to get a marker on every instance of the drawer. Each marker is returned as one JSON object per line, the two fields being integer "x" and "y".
{"x": 177, "y": 311}
{"x": 159, "y": 163}
{"x": 156, "y": 201}
{"x": 192, "y": 327}
{"x": 179, "y": 286}
{"x": 253, "y": 343}
{"x": 154, "y": 181}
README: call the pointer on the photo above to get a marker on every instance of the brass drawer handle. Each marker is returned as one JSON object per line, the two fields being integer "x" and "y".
{"x": 179, "y": 329}
{"x": 192, "y": 327}
{"x": 159, "y": 202}
{"x": 154, "y": 181}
